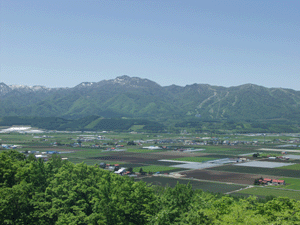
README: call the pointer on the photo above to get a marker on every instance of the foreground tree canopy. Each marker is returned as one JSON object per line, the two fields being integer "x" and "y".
{"x": 60, "y": 192}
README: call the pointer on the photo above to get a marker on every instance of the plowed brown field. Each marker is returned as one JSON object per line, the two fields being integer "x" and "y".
{"x": 237, "y": 178}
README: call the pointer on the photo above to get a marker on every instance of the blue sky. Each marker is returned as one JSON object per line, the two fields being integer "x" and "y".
{"x": 225, "y": 43}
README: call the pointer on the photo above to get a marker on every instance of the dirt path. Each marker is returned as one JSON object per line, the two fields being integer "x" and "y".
{"x": 250, "y": 186}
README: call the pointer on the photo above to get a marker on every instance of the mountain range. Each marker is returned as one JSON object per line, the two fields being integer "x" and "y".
{"x": 133, "y": 97}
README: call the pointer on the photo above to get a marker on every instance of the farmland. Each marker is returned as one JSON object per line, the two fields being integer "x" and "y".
{"x": 228, "y": 177}
{"x": 195, "y": 159}
{"x": 291, "y": 183}
{"x": 265, "y": 191}
{"x": 205, "y": 186}
{"x": 257, "y": 170}
{"x": 291, "y": 167}
{"x": 211, "y": 167}
{"x": 155, "y": 168}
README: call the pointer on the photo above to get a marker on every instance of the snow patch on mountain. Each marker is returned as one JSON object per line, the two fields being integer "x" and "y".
{"x": 24, "y": 88}
{"x": 86, "y": 84}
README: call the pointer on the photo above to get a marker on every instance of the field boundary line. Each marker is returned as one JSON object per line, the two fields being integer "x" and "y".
{"x": 251, "y": 173}
{"x": 285, "y": 189}
{"x": 278, "y": 150}
{"x": 195, "y": 179}
{"x": 250, "y": 186}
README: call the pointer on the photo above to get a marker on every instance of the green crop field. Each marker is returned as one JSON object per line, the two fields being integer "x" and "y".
{"x": 87, "y": 161}
{"x": 291, "y": 167}
{"x": 92, "y": 161}
{"x": 87, "y": 153}
{"x": 269, "y": 154}
{"x": 235, "y": 150}
{"x": 161, "y": 163}
{"x": 132, "y": 165}
{"x": 259, "y": 171}
{"x": 195, "y": 159}
{"x": 265, "y": 191}
{"x": 142, "y": 150}
{"x": 89, "y": 156}
{"x": 229, "y": 150}
{"x": 154, "y": 168}
{"x": 205, "y": 186}
{"x": 136, "y": 127}
{"x": 291, "y": 183}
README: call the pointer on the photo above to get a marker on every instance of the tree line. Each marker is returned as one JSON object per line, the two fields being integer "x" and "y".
{"x": 89, "y": 123}
{"x": 60, "y": 192}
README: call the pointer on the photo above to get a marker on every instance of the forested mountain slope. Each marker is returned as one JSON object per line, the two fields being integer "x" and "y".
{"x": 141, "y": 98}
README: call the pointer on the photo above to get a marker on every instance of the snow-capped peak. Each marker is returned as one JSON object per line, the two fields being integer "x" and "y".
{"x": 87, "y": 84}
{"x": 28, "y": 88}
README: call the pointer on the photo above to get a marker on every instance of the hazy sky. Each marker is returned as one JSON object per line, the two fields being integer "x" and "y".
{"x": 218, "y": 42}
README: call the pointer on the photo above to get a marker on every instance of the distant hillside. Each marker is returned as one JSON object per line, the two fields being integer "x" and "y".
{"x": 134, "y": 97}
{"x": 90, "y": 123}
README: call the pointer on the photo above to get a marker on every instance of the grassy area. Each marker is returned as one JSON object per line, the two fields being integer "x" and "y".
{"x": 154, "y": 168}
{"x": 264, "y": 191}
{"x": 136, "y": 127}
{"x": 291, "y": 183}
{"x": 112, "y": 162}
{"x": 259, "y": 171}
{"x": 217, "y": 148}
{"x": 93, "y": 161}
{"x": 142, "y": 150}
{"x": 85, "y": 153}
{"x": 229, "y": 150}
{"x": 264, "y": 155}
{"x": 87, "y": 161}
{"x": 195, "y": 159}
{"x": 205, "y": 186}
{"x": 291, "y": 167}
{"x": 89, "y": 156}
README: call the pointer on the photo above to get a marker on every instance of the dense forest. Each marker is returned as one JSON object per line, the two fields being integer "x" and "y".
{"x": 60, "y": 192}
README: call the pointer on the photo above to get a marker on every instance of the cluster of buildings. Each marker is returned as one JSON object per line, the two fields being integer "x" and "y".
{"x": 279, "y": 157}
{"x": 43, "y": 155}
{"x": 268, "y": 181}
{"x": 8, "y": 146}
{"x": 43, "y": 136}
{"x": 116, "y": 169}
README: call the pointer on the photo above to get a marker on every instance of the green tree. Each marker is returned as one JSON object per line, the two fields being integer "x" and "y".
{"x": 172, "y": 204}
{"x": 131, "y": 143}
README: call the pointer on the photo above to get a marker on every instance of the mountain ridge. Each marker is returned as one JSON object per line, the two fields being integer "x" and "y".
{"x": 128, "y": 78}
{"x": 136, "y": 97}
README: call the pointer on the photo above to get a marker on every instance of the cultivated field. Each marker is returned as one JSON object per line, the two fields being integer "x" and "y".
{"x": 156, "y": 168}
{"x": 291, "y": 167}
{"x": 197, "y": 166}
{"x": 195, "y": 159}
{"x": 228, "y": 177}
{"x": 264, "y": 164}
{"x": 265, "y": 191}
{"x": 205, "y": 186}
{"x": 257, "y": 170}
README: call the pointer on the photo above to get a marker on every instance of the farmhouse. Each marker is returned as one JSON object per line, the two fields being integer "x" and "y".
{"x": 121, "y": 171}
{"x": 268, "y": 181}
{"x": 265, "y": 181}
{"x": 278, "y": 182}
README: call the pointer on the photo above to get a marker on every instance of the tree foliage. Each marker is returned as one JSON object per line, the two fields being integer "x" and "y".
{"x": 60, "y": 192}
